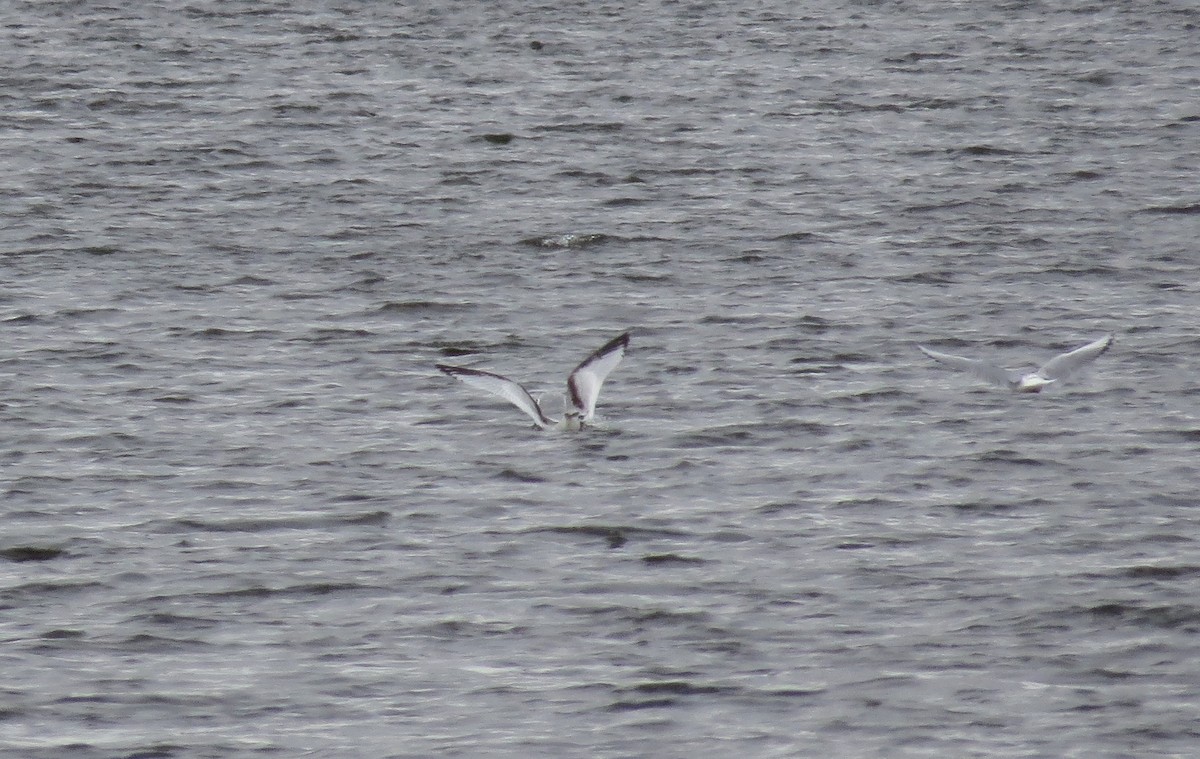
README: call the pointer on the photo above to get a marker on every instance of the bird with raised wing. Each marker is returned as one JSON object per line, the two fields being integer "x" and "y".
{"x": 1054, "y": 370}
{"x": 583, "y": 386}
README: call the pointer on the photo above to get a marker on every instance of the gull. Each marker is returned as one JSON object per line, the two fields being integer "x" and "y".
{"x": 583, "y": 386}
{"x": 1053, "y": 370}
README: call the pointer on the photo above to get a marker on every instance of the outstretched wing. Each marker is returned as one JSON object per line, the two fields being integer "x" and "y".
{"x": 585, "y": 381}
{"x": 981, "y": 369}
{"x": 1062, "y": 365}
{"x": 501, "y": 386}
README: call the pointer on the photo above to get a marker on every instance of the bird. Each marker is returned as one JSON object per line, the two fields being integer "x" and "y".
{"x": 583, "y": 386}
{"x": 1052, "y": 371}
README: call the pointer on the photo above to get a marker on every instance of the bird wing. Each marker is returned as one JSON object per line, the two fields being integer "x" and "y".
{"x": 585, "y": 381}
{"x": 502, "y": 386}
{"x": 1062, "y": 365}
{"x": 981, "y": 369}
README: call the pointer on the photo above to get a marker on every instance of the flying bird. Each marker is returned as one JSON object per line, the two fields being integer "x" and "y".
{"x": 1052, "y": 371}
{"x": 583, "y": 386}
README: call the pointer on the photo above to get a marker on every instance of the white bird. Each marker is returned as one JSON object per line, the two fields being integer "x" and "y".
{"x": 1053, "y": 370}
{"x": 583, "y": 386}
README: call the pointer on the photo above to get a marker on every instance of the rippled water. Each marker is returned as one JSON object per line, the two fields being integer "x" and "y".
{"x": 243, "y": 514}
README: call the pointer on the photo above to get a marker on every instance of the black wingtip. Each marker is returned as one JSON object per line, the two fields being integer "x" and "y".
{"x": 621, "y": 340}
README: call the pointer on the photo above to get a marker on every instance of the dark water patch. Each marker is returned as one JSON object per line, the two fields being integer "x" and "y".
{"x": 174, "y": 398}
{"x": 783, "y": 693}
{"x": 1133, "y": 451}
{"x": 982, "y": 507}
{"x": 854, "y": 545}
{"x": 802, "y": 429}
{"x": 36, "y": 592}
{"x": 1096, "y": 271}
{"x": 792, "y": 344}
{"x": 731, "y": 536}
{"x": 157, "y": 644}
{"x": 665, "y": 559}
{"x": 262, "y": 592}
{"x": 100, "y": 250}
{"x": 513, "y": 475}
{"x": 948, "y": 205}
{"x": 936, "y": 104}
{"x": 813, "y": 324}
{"x": 1099, "y": 78}
{"x": 854, "y": 357}
{"x": 780, "y": 507}
{"x": 31, "y": 553}
{"x": 224, "y": 333}
{"x": 624, "y": 202}
{"x": 462, "y": 348}
{"x": 371, "y": 518}
{"x": 749, "y": 257}
{"x": 847, "y": 106}
{"x": 801, "y": 236}
{"x": 420, "y": 307}
{"x": 21, "y": 320}
{"x": 730, "y": 318}
{"x": 935, "y": 277}
{"x": 88, "y": 314}
{"x": 1181, "y": 209}
{"x": 639, "y": 618}
{"x": 641, "y": 277}
{"x": 166, "y": 619}
{"x": 161, "y": 751}
{"x": 459, "y": 629}
{"x": 231, "y": 487}
{"x": 498, "y": 138}
{"x": 1162, "y": 572}
{"x": 592, "y": 178}
{"x": 717, "y": 437}
{"x": 678, "y": 688}
{"x": 110, "y": 439}
{"x": 854, "y": 445}
{"x": 614, "y": 535}
{"x": 458, "y": 179}
{"x": 668, "y": 617}
{"x": 288, "y": 108}
{"x": 365, "y": 282}
{"x": 1008, "y": 456}
{"x": 597, "y": 127}
{"x": 917, "y": 56}
{"x": 876, "y": 503}
{"x": 249, "y": 280}
{"x": 1167, "y": 617}
{"x": 649, "y": 703}
{"x": 985, "y": 150}
{"x": 1185, "y": 435}
{"x": 205, "y": 289}
{"x": 269, "y": 524}
{"x": 870, "y": 396}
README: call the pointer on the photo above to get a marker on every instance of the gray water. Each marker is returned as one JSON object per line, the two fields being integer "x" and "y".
{"x": 244, "y": 516}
